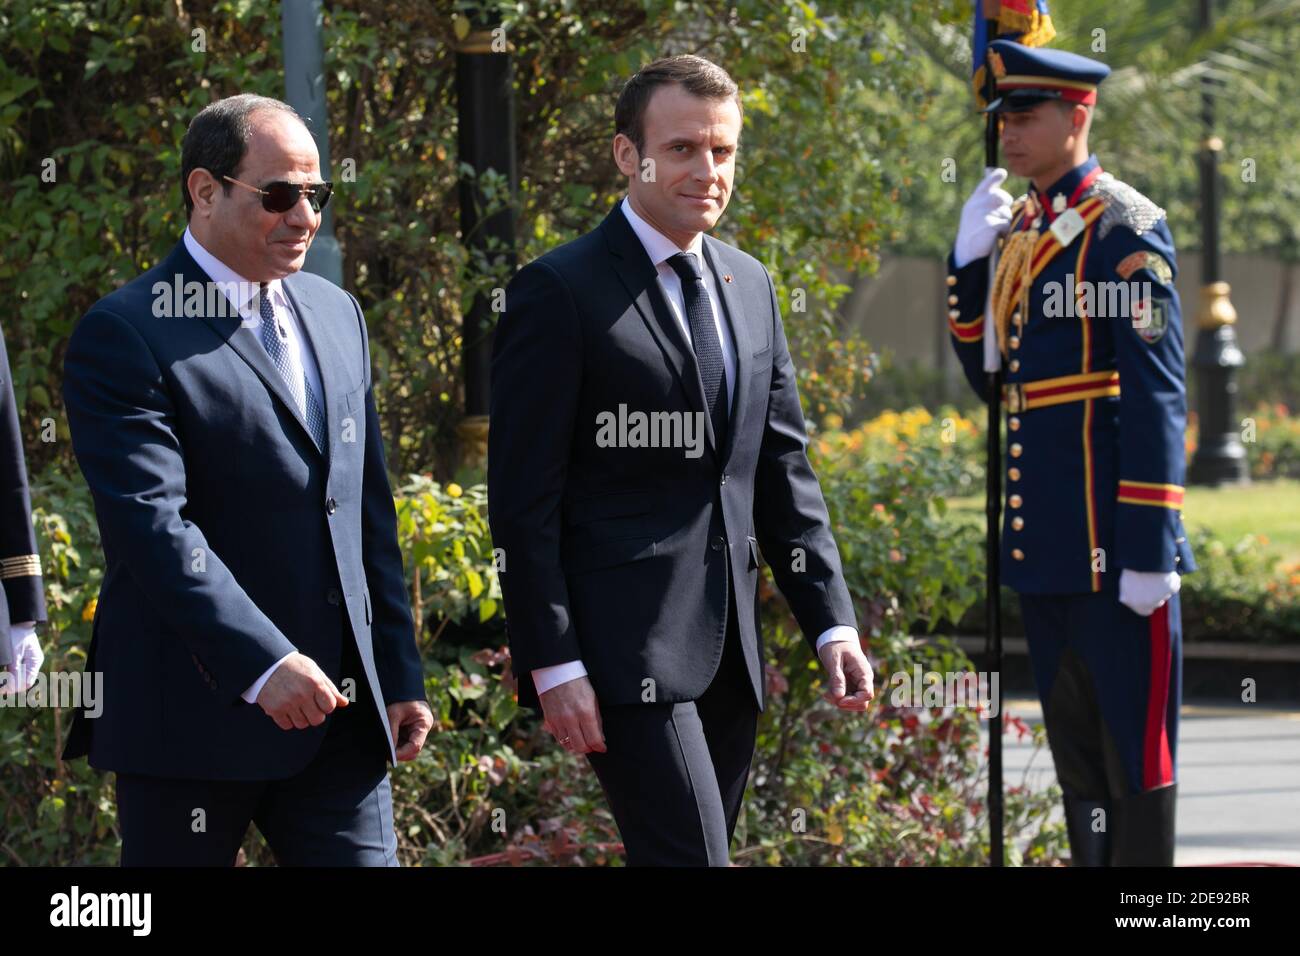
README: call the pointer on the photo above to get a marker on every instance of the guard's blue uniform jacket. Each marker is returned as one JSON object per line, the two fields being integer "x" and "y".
{"x": 1096, "y": 402}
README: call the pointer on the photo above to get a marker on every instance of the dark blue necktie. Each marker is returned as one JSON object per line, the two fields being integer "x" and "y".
{"x": 704, "y": 337}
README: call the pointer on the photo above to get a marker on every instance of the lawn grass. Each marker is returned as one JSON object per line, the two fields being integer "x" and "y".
{"x": 1267, "y": 508}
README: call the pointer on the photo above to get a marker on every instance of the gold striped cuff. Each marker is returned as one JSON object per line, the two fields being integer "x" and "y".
{"x": 20, "y": 566}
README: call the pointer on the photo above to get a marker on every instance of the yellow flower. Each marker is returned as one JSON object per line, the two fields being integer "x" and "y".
{"x": 88, "y": 612}
{"x": 455, "y": 490}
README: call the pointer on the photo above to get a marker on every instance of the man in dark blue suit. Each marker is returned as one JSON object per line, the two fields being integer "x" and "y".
{"x": 256, "y": 646}
{"x": 632, "y": 502}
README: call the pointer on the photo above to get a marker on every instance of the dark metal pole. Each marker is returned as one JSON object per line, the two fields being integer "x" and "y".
{"x": 304, "y": 90}
{"x": 993, "y": 516}
{"x": 486, "y": 114}
{"x": 1220, "y": 458}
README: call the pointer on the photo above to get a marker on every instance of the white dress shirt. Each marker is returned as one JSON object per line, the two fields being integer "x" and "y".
{"x": 660, "y": 248}
{"x": 242, "y": 295}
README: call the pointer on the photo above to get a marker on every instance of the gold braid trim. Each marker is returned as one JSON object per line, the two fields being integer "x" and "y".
{"x": 1014, "y": 261}
{"x": 20, "y": 566}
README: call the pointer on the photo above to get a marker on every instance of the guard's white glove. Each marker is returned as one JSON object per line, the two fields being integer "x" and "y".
{"x": 986, "y": 215}
{"x": 1144, "y": 591}
{"x": 27, "y": 658}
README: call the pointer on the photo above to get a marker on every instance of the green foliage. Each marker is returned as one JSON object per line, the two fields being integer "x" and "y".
{"x": 886, "y": 486}
{"x": 1273, "y": 442}
{"x": 1147, "y": 127}
{"x": 899, "y": 786}
{"x": 447, "y": 551}
{"x": 1270, "y": 378}
{"x": 98, "y": 93}
{"x": 1237, "y": 593}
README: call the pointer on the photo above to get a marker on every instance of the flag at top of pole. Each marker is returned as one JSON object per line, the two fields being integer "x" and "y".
{"x": 1025, "y": 21}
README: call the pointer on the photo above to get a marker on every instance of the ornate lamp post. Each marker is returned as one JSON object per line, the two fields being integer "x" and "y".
{"x": 1220, "y": 458}
{"x": 486, "y": 113}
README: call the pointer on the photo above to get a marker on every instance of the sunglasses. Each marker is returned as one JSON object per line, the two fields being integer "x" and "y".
{"x": 281, "y": 196}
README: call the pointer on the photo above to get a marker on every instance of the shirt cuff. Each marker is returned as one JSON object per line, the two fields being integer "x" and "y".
{"x": 544, "y": 678}
{"x": 840, "y": 632}
{"x": 250, "y": 695}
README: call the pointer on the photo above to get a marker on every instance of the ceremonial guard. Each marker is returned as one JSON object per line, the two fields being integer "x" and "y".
{"x": 1089, "y": 329}
{"x": 22, "y": 600}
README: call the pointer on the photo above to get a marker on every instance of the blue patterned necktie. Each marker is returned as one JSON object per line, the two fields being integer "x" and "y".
{"x": 704, "y": 337}
{"x": 276, "y": 342}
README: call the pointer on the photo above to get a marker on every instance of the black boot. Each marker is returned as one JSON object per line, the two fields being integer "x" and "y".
{"x": 1088, "y": 844}
{"x": 1142, "y": 832}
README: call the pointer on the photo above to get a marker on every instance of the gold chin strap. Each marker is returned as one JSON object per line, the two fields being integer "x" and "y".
{"x": 1014, "y": 262}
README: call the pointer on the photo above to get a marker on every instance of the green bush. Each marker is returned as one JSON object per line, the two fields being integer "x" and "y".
{"x": 1238, "y": 594}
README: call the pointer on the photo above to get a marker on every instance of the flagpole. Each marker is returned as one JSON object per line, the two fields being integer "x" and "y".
{"x": 993, "y": 502}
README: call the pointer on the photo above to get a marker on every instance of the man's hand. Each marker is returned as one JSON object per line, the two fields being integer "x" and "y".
{"x": 410, "y": 722}
{"x": 27, "y": 660}
{"x": 572, "y": 716}
{"x": 851, "y": 679}
{"x": 1145, "y": 591}
{"x": 986, "y": 215}
{"x": 299, "y": 694}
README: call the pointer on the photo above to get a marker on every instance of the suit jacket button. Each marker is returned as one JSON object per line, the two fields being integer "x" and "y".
{"x": 334, "y": 597}
{"x": 1018, "y": 554}
{"x": 331, "y": 506}
{"x": 719, "y": 543}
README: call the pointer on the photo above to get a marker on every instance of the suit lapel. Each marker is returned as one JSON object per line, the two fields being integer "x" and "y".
{"x": 641, "y": 279}
{"x": 242, "y": 339}
{"x": 715, "y": 253}
{"x": 323, "y": 343}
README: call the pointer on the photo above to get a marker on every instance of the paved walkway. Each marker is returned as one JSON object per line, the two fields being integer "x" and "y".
{"x": 1238, "y": 776}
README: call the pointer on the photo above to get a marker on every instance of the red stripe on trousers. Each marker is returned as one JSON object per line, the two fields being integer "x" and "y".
{"x": 1157, "y": 765}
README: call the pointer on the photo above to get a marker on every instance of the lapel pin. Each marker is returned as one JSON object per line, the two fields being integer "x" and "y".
{"x": 726, "y": 278}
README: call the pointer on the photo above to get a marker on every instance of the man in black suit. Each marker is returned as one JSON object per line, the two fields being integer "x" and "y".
{"x": 257, "y": 649}
{"x": 646, "y": 442}
{"x": 22, "y": 598}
